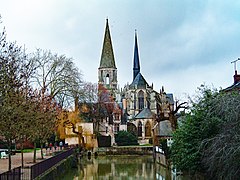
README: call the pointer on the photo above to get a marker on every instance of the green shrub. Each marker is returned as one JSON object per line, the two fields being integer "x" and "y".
{"x": 124, "y": 138}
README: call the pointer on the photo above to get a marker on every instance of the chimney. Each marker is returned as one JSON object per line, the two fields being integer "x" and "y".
{"x": 236, "y": 77}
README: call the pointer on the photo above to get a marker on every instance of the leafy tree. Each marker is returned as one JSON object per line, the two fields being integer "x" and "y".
{"x": 208, "y": 137}
{"x": 196, "y": 126}
{"x": 31, "y": 114}
{"x": 124, "y": 138}
{"x": 11, "y": 90}
{"x": 46, "y": 113}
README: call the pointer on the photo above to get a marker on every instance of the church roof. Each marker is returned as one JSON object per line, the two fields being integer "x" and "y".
{"x": 139, "y": 82}
{"x": 145, "y": 114}
{"x": 165, "y": 128}
{"x": 107, "y": 57}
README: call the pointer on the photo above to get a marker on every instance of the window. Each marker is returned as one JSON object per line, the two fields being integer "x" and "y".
{"x": 140, "y": 129}
{"x": 147, "y": 129}
{"x": 140, "y": 100}
{"x": 107, "y": 79}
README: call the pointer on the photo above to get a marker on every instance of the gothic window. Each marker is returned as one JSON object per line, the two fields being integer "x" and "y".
{"x": 140, "y": 100}
{"x": 107, "y": 79}
{"x": 148, "y": 129}
{"x": 132, "y": 128}
{"x": 140, "y": 129}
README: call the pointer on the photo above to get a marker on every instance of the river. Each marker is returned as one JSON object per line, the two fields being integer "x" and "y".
{"x": 120, "y": 168}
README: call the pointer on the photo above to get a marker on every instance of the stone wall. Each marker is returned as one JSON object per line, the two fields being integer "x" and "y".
{"x": 126, "y": 150}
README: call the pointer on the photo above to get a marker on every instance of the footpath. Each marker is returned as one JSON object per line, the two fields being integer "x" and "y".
{"x": 28, "y": 159}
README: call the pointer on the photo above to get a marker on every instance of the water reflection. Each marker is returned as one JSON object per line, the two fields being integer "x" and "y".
{"x": 119, "y": 167}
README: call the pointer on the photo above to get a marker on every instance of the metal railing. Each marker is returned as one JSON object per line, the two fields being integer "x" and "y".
{"x": 31, "y": 172}
{"x": 13, "y": 174}
{"x": 45, "y": 165}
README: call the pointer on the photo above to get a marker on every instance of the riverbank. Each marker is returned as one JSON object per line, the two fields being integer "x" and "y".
{"x": 28, "y": 159}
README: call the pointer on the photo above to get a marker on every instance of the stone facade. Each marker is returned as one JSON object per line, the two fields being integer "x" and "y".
{"x": 137, "y": 104}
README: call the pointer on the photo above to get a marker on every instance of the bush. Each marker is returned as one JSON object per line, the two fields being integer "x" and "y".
{"x": 104, "y": 141}
{"x": 124, "y": 138}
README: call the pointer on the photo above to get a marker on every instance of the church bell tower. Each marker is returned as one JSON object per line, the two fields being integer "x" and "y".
{"x": 107, "y": 71}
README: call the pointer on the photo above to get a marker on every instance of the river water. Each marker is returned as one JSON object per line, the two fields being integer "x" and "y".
{"x": 120, "y": 168}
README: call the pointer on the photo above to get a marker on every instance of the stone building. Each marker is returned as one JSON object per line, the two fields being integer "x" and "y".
{"x": 139, "y": 104}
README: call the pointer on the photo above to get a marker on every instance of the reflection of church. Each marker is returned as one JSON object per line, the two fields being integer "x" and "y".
{"x": 137, "y": 101}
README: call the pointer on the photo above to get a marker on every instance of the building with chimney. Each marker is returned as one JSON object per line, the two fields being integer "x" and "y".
{"x": 137, "y": 105}
{"x": 236, "y": 83}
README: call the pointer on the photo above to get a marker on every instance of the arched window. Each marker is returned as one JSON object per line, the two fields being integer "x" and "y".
{"x": 140, "y": 100}
{"x": 132, "y": 128}
{"x": 107, "y": 79}
{"x": 140, "y": 129}
{"x": 148, "y": 129}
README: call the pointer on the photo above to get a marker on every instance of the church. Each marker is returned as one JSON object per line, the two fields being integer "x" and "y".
{"x": 137, "y": 107}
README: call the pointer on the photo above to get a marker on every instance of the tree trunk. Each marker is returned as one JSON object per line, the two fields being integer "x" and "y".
{"x": 22, "y": 154}
{"x": 9, "y": 155}
{"x": 34, "y": 152}
{"x": 41, "y": 150}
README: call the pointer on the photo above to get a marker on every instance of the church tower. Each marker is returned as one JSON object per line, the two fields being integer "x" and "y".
{"x": 107, "y": 71}
{"x": 136, "y": 64}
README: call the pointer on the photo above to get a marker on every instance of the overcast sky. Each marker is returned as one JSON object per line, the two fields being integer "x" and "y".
{"x": 182, "y": 44}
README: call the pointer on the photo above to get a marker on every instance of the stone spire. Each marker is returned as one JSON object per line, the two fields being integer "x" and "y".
{"x": 107, "y": 57}
{"x": 136, "y": 64}
{"x": 107, "y": 71}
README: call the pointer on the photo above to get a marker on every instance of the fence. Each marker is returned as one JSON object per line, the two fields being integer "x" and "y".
{"x": 43, "y": 166}
{"x": 31, "y": 172}
{"x": 13, "y": 174}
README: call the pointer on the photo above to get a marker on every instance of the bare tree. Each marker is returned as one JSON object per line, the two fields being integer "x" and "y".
{"x": 167, "y": 109}
{"x": 221, "y": 152}
{"x": 57, "y": 76}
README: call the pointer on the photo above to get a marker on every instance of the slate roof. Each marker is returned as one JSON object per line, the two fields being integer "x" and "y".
{"x": 165, "y": 128}
{"x": 233, "y": 87}
{"x": 145, "y": 114}
{"x": 107, "y": 57}
{"x": 139, "y": 82}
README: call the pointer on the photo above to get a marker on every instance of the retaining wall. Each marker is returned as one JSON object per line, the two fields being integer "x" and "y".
{"x": 125, "y": 150}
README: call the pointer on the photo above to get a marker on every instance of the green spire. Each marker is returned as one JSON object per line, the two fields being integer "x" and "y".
{"x": 107, "y": 57}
